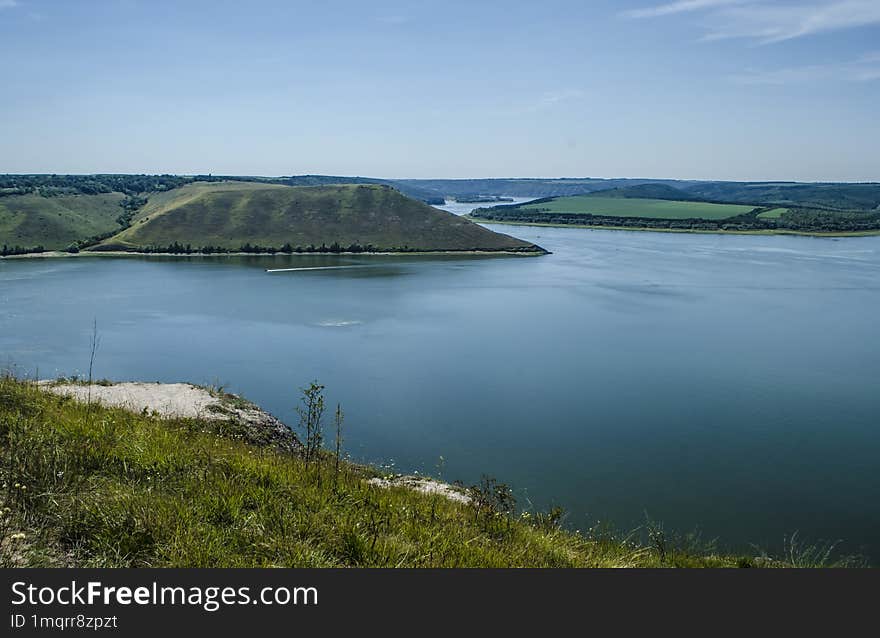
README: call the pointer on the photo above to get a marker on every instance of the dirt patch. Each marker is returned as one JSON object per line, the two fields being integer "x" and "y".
{"x": 423, "y": 484}
{"x": 183, "y": 400}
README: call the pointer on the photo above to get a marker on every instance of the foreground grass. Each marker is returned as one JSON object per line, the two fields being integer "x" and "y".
{"x": 91, "y": 486}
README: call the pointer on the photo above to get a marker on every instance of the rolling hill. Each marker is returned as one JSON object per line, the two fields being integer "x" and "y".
{"x": 31, "y": 220}
{"x": 232, "y": 216}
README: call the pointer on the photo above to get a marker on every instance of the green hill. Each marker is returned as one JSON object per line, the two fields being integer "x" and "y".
{"x": 846, "y": 197}
{"x": 90, "y": 486}
{"x": 32, "y": 220}
{"x": 240, "y": 215}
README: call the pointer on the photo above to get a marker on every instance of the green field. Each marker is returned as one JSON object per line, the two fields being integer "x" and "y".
{"x": 775, "y": 213}
{"x": 55, "y": 222}
{"x": 229, "y": 215}
{"x": 630, "y": 207}
{"x": 89, "y": 486}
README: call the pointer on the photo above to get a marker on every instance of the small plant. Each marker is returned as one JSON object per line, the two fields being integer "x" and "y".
{"x": 657, "y": 537}
{"x": 93, "y": 351}
{"x": 491, "y": 501}
{"x": 549, "y": 521}
{"x": 311, "y": 413}
{"x": 798, "y": 553}
{"x": 340, "y": 416}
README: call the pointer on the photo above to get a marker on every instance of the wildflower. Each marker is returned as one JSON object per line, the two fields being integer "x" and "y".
{"x": 18, "y": 536}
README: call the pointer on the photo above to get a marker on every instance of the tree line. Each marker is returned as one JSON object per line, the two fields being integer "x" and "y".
{"x": 178, "y": 248}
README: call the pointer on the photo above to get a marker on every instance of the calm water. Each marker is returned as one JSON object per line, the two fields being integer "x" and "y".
{"x": 724, "y": 382}
{"x": 462, "y": 208}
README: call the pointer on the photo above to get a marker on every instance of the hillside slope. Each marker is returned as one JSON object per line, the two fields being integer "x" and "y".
{"x": 235, "y": 215}
{"x": 32, "y": 220}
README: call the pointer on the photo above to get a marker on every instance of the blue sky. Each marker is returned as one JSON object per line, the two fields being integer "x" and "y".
{"x": 700, "y": 89}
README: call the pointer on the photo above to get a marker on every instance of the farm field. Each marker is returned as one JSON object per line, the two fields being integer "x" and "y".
{"x": 630, "y": 207}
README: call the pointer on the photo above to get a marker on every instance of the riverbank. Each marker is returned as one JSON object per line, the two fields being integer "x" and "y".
{"x": 123, "y": 253}
{"x": 873, "y": 233}
{"x": 88, "y": 484}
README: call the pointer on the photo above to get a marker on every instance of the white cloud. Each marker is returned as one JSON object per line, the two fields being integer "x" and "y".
{"x": 769, "y": 22}
{"x": 777, "y": 23}
{"x": 553, "y": 98}
{"x": 863, "y": 69}
{"x": 8, "y": 4}
{"x": 681, "y": 6}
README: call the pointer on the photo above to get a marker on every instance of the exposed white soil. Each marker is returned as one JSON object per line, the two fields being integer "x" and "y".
{"x": 165, "y": 399}
{"x": 423, "y": 484}
{"x": 181, "y": 400}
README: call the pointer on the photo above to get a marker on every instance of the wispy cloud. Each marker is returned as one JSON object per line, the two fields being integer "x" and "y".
{"x": 552, "y": 98}
{"x": 681, "y": 6}
{"x": 863, "y": 69}
{"x": 776, "y": 23}
{"x": 8, "y": 4}
{"x": 770, "y": 22}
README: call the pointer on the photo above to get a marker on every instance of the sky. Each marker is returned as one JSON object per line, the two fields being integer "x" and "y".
{"x": 690, "y": 89}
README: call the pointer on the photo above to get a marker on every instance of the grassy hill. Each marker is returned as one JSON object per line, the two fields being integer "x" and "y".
{"x": 89, "y": 486}
{"x": 235, "y": 215}
{"x": 55, "y": 222}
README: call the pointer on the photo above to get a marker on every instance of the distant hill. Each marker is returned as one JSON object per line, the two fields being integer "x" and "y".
{"x": 829, "y": 196}
{"x": 232, "y": 216}
{"x": 518, "y": 187}
{"x": 854, "y": 197}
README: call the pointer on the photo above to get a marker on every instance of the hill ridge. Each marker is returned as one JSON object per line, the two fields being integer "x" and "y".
{"x": 245, "y": 216}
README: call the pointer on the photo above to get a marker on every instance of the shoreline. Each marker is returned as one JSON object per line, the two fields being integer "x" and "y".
{"x": 55, "y": 254}
{"x": 698, "y": 231}
{"x": 185, "y": 400}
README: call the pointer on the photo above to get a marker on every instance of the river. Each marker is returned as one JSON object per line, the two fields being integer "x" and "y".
{"x": 723, "y": 382}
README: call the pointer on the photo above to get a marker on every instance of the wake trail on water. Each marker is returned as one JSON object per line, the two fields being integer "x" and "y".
{"x": 312, "y": 268}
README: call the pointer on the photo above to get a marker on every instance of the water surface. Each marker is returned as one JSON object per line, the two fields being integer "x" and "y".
{"x": 725, "y": 382}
